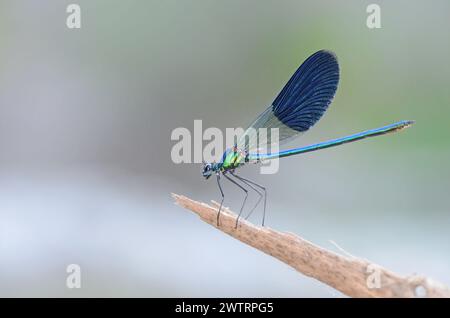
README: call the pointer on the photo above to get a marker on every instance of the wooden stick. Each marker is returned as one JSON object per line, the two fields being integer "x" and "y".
{"x": 350, "y": 275}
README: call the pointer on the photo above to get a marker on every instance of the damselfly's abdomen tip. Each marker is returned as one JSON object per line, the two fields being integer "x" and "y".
{"x": 409, "y": 123}
{"x": 404, "y": 124}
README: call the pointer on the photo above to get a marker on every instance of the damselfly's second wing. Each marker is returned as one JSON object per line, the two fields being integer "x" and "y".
{"x": 299, "y": 105}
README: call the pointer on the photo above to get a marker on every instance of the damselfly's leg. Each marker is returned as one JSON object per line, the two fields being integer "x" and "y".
{"x": 254, "y": 189}
{"x": 265, "y": 195}
{"x": 223, "y": 197}
{"x": 245, "y": 199}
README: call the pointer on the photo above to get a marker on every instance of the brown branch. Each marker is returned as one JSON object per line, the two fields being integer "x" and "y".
{"x": 352, "y": 276}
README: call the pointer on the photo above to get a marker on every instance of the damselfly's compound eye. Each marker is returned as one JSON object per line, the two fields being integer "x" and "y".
{"x": 207, "y": 170}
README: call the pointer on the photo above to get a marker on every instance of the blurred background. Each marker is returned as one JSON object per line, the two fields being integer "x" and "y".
{"x": 86, "y": 117}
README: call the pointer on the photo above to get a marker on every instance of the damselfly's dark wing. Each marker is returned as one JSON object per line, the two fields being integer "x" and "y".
{"x": 299, "y": 105}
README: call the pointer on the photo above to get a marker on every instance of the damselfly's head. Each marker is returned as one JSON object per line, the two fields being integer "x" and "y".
{"x": 207, "y": 170}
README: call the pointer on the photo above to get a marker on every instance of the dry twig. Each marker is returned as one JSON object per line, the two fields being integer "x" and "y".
{"x": 352, "y": 276}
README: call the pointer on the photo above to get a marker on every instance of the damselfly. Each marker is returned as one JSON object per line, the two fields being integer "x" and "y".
{"x": 299, "y": 105}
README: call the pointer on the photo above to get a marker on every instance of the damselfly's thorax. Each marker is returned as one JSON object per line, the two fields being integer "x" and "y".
{"x": 232, "y": 158}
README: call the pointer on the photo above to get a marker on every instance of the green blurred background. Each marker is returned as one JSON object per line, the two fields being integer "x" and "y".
{"x": 85, "y": 123}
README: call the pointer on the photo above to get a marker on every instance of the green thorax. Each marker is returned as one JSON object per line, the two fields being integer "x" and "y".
{"x": 231, "y": 159}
